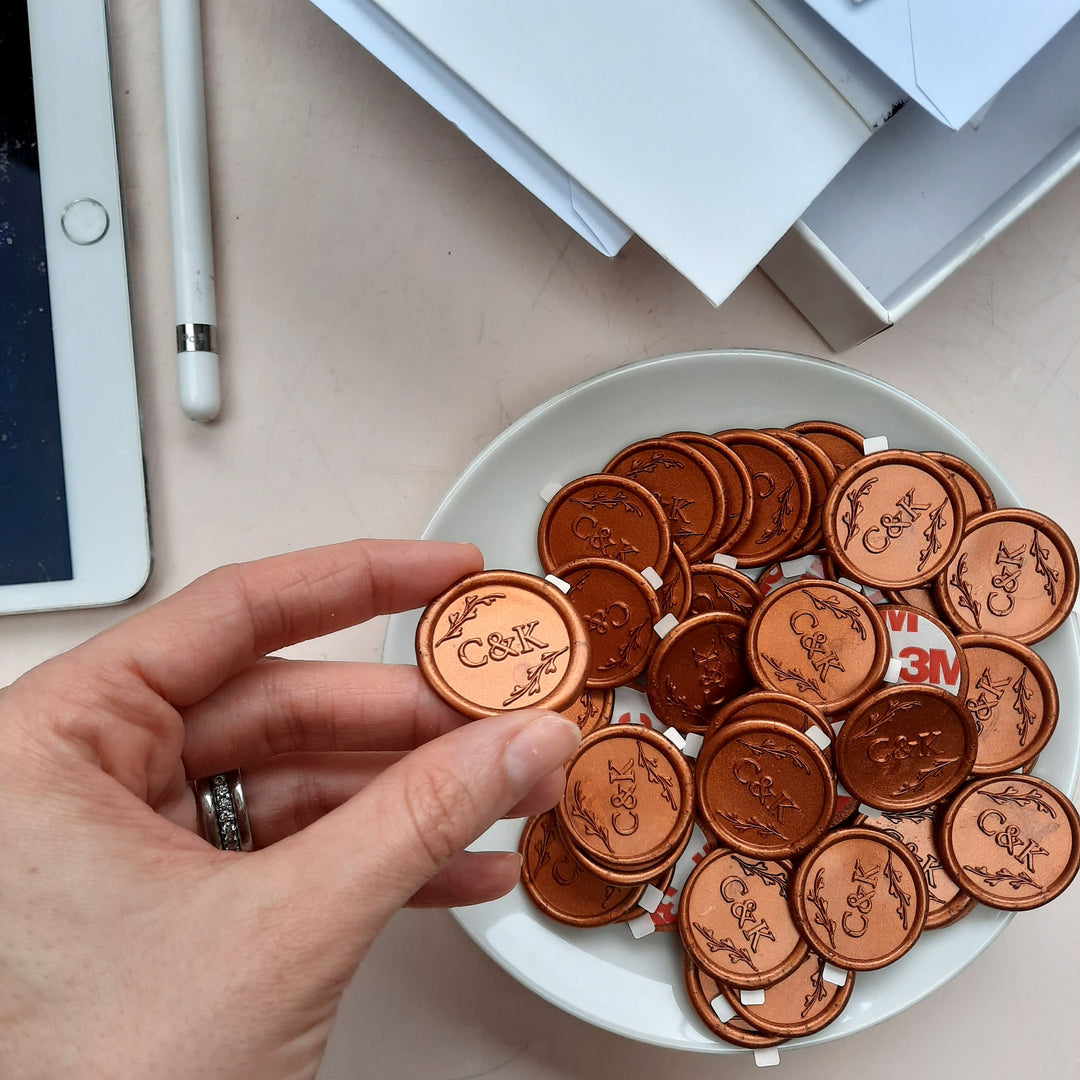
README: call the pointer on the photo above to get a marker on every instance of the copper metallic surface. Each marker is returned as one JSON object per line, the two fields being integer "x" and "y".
{"x": 770, "y": 705}
{"x": 844, "y": 445}
{"x": 846, "y": 808}
{"x": 906, "y": 747}
{"x": 920, "y": 597}
{"x": 735, "y": 921}
{"x": 629, "y": 798}
{"x": 735, "y": 479}
{"x": 561, "y": 887}
{"x": 638, "y": 875}
{"x": 592, "y": 710}
{"x": 893, "y": 520}
{"x": 764, "y": 788}
{"x": 719, "y": 588}
{"x": 917, "y": 830}
{"x": 822, "y": 472}
{"x": 1012, "y": 842}
{"x": 798, "y": 1005}
{"x": 978, "y": 498}
{"x": 860, "y": 898}
{"x": 772, "y": 577}
{"x": 604, "y": 517}
{"x": 698, "y": 666}
{"x": 620, "y": 609}
{"x": 702, "y": 989}
{"x": 701, "y": 842}
{"x": 500, "y": 640}
{"x": 674, "y": 594}
{"x": 1013, "y": 699}
{"x": 686, "y": 485}
{"x": 1015, "y": 574}
{"x": 818, "y": 641}
{"x": 781, "y": 491}
{"x": 927, "y": 648}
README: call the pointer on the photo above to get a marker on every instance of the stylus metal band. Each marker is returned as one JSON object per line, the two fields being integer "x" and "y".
{"x": 196, "y": 337}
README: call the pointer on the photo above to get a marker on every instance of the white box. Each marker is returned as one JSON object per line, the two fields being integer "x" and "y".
{"x": 918, "y": 200}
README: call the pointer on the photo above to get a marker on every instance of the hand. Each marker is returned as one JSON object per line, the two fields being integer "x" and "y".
{"x": 131, "y": 947}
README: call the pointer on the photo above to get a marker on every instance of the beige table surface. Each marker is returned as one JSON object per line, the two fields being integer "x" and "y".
{"x": 389, "y": 301}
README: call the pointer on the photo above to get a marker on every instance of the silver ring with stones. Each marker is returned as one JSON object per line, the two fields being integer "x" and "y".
{"x": 223, "y": 816}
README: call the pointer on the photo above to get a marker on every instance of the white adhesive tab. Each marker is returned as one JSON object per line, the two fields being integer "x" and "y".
{"x": 652, "y": 577}
{"x": 692, "y": 744}
{"x": 892, "y": 672}
{"x": 832, "y": 974}
{"x": 867, "y": 811}
{"x": 848, "y": 583}
{"x": 549, "y": 491}
{"x": 665, "y": 625}
{"x": 642, "y": 926}
{"x": 562, "y": 586}
{"x": 651, "y": 899}
{"x": 752, "y": 997}
{"x": 836, "y": 725}
{"x": 795, "y": 567}
{"x": 818, "y": 737}
{"x": 841, "y": 791}
{"x": 675, "y": 738}
{"x": 764, "y": 1058}
{"x": 723, "y": 1008}
{"x": 720, "y": 559}
{"x": 875, "y": 444}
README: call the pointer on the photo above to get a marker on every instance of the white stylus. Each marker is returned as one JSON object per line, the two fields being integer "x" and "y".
{"x": 189, "y": 205}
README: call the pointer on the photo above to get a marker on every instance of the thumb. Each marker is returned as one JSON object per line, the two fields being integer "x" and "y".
{"x": 369, "y": 856}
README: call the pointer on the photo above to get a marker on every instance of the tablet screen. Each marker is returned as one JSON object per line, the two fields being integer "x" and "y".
{"x": 34, "y": 539}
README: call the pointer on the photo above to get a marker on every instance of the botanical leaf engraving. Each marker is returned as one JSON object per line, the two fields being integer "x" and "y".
{"x": 731, "y": 597}
{"x": 784, "y": 510}
{"x": 793, "y": 674}
{"x": 725, "y": 945}
{"x": 469, "y": 611}
{"x": 768, "y": 747}
{"x": 903, "y": 899}
{"x": 930, "y": 535}
{"x": 590, "y": 708}
{"x": 821, "y": 908}
{"x": 836, "y": 605}
{"x": 818, "y": 993}
{"x": 744, "y": 825}
{"x": 850, "y": 516}
{"x": 627, "y": 650}
{"x": 543, "y": 843}
{"x": 925, "y": 776}
{"x": 589, "y": 824}
{"x": 675, "y": 508}
{"x": 1043, "y": 568}
{"x": 613, "y": 500}
{"x": 1030, "y": 797}
{"x": 966, "y": 599}
{"x": 1003, "y": 877}
{"x": 666, "y": 593}
{"x": 875, "y": 721}
{"x": 693, "y": 714}
{"x": 577, "y": 585}
{"x": 760, "y": 869}
{"x": 1023, "y": 694}
{"x": 652, "y": 771}
{"x": 656, "y": 460}
{"x": 547, "y": 665}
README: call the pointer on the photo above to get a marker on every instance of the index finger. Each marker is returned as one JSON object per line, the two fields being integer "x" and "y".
{"x": 190, "y": 643}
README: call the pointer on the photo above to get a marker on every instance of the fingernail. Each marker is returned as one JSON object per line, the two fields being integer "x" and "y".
{"x": 542, "y": 745}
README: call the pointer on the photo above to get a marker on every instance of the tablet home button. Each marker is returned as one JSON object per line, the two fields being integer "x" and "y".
{"x": 84, "y": 221}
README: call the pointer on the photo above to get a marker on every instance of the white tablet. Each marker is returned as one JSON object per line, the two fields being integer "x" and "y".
{"x": 73, "y": 523}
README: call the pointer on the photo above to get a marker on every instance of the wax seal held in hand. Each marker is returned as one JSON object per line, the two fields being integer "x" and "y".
{"x": 501, "y": 640}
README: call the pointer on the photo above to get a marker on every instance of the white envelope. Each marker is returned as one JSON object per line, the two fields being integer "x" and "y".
{"x": 950, "y": 56}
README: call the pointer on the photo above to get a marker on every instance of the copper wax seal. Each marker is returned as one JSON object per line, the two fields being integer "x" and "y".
{"x": 592, "y": 710}
{"x": 629, "y": 797}
{"x": 1013, "y": 700}
{"x": 698, "y": 666}
{"x": 561, "y": 887}
{"x": 735, "y": 920}
{"x": 734, "y": 478}
{"x": 1014, "y": 574}
{"x": 720, "y": 588}
{"x": 702, "y": 990}
{"x": 860, "y": 898}
{"x": 781, "y": 496}
{"x": 1012, "y": 842}
{"x": 844, "y": 445}
{"x": 927, "y": 648}
{"x": 769, "y": 705}
{"x": 604, "y": 517}
{"x": 821, "y": 473}
{"x": 800, "y": 1004}
{"x": 500, "y": 640}
{"x": 975, "y": 491}
{"x": 620, "y": 609}
{"x": 674, "y": 592}
{"x": 818, "y": 641}
{"x": 686, "y": 485}
{"x": 658, "y": 872}
{"x": 893, "y": 519}
{"x": 917, "y": 830}
{"x": 906, "y": 747}
{"x": 764, "y": 788}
